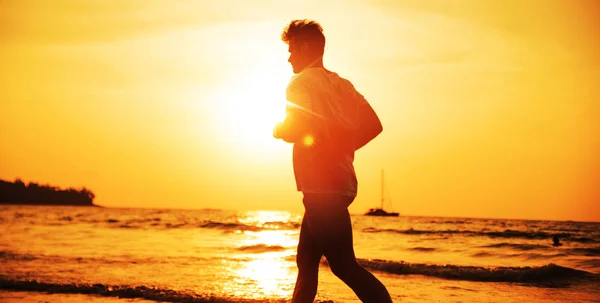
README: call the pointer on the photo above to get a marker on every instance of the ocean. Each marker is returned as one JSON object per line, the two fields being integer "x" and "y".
{"x": 93, "y": 254}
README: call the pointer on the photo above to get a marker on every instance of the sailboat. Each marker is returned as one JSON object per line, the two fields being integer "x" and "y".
{"x": 379, "y": 211}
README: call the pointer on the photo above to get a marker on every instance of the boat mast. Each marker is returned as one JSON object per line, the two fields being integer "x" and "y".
{"x": 382, "y": 189}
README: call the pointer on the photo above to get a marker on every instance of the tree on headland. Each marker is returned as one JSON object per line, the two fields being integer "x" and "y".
{"x": 33, "y": 193}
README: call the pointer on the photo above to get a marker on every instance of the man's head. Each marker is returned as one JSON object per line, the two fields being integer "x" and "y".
{"x": 306, "y": 43}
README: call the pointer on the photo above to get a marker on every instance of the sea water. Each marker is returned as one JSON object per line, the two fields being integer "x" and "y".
{"x": 202, "y": 255}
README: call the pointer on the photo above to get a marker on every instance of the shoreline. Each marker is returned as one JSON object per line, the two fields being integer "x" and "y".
{"x": 46, "y": 204}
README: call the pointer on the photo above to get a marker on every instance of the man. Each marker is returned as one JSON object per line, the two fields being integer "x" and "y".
{"x": 327, "y": 121}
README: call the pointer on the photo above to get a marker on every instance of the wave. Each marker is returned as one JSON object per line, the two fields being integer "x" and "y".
{"x": 162, "y": 223}
{"x": 246, "y": 227}
{"x": 261, "y": 248}
{"x": 483, "y": 254}
{"x": 10, "y": 256}
{"x": 526, "y": 256}
{"x": 591, "y": 263}
{"x": 578, "y": 251}
{"x": 534, "y": 256}
{"x": 423, "y": 249}
{"x": 157, "y": 223}
{"x": 585, "y": 251}
{"x": 550, "y": 274}
{"x": 454, "y": 288}
{"x": 229, "y": 226}
{"x": 121, "y": 291}
{"x": 509, "y": 234}
{"x": 517, "y": 246}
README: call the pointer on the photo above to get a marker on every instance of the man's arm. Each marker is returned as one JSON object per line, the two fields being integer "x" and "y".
{"x": 370, "y": 125}
{"x": 297, "y": 123}
{"x": 294, "y": 127}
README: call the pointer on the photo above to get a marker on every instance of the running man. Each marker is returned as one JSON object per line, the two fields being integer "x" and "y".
{"x": 327, "y": 121}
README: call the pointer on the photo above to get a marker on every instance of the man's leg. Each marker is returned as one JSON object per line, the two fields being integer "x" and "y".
{"x": 331, "y": 227}
{"x": 308, "y": 259}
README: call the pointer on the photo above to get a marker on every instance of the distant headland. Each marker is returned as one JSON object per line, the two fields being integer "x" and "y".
{"x": 35, "y": 194}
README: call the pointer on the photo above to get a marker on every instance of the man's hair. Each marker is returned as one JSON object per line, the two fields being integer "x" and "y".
{"x": 305, "y": 31}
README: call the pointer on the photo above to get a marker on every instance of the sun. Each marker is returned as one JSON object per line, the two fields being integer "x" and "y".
{"x": 250, "y": 105}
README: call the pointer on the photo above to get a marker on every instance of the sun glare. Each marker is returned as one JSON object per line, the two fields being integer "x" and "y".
{"x": 308, "y": 140}
{"x": 267, "y": 275}
{"x": 249, "y": 106}
{"x": 265, "y": 218}
{"x": 269, "y": 272}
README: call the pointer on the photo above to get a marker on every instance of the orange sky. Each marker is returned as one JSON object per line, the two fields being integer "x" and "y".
{"x": 490, "y": 109}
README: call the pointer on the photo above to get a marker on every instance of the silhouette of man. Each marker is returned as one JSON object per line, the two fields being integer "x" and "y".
{"x": 327, "y": 121}
{"x": 556, "y": 241}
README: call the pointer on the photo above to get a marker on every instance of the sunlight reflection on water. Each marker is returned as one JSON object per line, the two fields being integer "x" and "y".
{"x": 211, "y": 253}
{"x": 267, "y": 269}
{"x": 268, "y": 219}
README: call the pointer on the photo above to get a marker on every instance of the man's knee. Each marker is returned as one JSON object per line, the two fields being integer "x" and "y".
{"x": 305, "y": 261}
{"x": 343, "y": 268}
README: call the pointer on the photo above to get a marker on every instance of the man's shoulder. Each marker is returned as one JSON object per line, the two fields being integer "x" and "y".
{"x": 300, "y": 82}
{"x": 303, "y": 78}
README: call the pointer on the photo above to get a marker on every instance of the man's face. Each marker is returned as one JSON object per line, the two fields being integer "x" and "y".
{"x": 298, "y": 55}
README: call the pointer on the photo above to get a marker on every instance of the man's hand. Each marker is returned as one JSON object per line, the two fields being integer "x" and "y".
{"x": 286, "y": 131}
{"x": 295, "y": 126}
{"x": 276, "y": 132}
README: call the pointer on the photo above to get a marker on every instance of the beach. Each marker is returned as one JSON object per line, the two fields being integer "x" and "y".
{"x": 75, "y": 254}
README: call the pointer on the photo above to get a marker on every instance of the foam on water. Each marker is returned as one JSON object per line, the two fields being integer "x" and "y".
{"x": 508, "y": 234}
{"x": 550, "y": 274}
{"x": 121, "y": 291}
